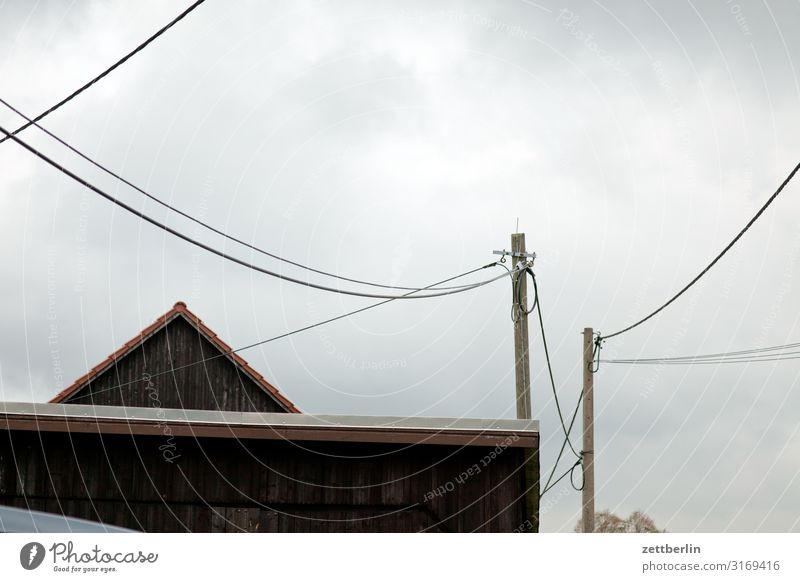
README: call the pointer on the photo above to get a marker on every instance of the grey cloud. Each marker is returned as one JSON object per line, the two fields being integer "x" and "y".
{"x": 400, "y": 143}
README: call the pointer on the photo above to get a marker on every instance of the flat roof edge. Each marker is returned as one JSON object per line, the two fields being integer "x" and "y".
{"x": 276, "y": 426}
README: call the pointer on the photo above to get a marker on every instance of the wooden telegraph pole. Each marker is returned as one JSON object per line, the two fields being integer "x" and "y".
{"x": 522, "y": 372}
{"x": 519, "y": 306}
{"x": 588, "y": 431}
{"x": 522, "y": 367}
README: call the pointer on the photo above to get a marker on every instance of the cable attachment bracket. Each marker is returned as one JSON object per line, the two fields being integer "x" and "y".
{"x": 527, "y": 257}
{"x": 598, "y": 345}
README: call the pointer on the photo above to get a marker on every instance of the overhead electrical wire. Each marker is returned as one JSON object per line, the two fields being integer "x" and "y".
{"x": 715, "y": 362}
{"x": 200, "y": 222}
{"x": 717, "y": 355}
{"x": 569, "y": 472}
{"x": 550, "y": 484}
{"x": 120, "y": 62}
{"x": 538, "y": 306}
{"x": 227, "y": 256}
{"x": 290, "y": 333}
{"x": 766, "y": 354}
{"x": 519, "y": 308}
{"x": 714, "y": 261}
{"x": 524, "y": 270}
{"x": 738, "y": 360}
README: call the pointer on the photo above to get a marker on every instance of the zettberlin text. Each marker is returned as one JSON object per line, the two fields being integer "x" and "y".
{"x": 667, "y": 549}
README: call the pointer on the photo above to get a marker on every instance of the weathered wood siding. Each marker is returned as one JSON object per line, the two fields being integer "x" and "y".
{"x": 224, "y": 485}
{"x": 217, "y": 384}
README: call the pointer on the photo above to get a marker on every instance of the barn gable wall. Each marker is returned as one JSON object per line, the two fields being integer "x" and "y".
{"x": 216, "y": 384}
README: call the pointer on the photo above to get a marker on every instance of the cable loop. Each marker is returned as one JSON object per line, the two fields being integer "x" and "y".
{"x": 583, "y": 474}
{"x": 518, "y": 309}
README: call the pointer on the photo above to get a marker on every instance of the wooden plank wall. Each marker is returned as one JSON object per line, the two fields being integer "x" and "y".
{"x": 216, "y": 485}
{"x": 178, "y": 344}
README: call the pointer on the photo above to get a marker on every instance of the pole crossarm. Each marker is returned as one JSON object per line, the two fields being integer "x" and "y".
{"x": 515, "y": 254}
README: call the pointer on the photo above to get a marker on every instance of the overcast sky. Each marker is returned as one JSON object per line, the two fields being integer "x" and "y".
{"x": 399, "y": 142}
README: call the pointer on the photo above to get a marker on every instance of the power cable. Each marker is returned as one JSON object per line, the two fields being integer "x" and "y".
{"x": 198, "y": 221}
{"x": 286, "y": 334}
{"x": 579, "y": 461}
{"x": 739, "y": 360}
{"x": 564, "y": 474}
{"x": 519, "y": 308}
{"x": 538, "y": 307}
{"x": 719, "y": 355}
{"x": 225, "y": 255}
{"x": 121, "y": 61}
{"x": 716, "y": 259}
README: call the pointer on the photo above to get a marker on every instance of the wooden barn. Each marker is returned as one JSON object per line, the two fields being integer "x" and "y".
{"x": 176, "y": 362}
{"x": 173, "y": 432}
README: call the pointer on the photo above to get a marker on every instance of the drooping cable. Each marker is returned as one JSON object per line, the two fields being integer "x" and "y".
{"x": 737, "y": 360}
{"x": 120, "y": 62}
{"x": 199, "y": 222}
{"x": 549, "y": 485}
{"x": 567, "y": 430}
{"x": 284, "y": 335}
{"x": 538, "y": 306}
{"x": 569, "y": 472}
{"x": 714, "y": 261}
{"x": 225, "y": 255}
{"x": 755, "y": 353}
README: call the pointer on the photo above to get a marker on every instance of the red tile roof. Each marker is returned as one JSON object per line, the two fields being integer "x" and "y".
{"x": 178, "y": 310}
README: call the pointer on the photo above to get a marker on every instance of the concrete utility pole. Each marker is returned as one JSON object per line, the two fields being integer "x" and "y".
{"x": 522, "y": 367}
{"x": 588, "y": 430}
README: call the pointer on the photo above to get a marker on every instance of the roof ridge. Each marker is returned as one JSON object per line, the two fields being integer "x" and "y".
{"x": 179, "y": 309}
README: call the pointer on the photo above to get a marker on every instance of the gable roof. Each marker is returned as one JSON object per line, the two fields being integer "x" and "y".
{"x": 178, "y": 310}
